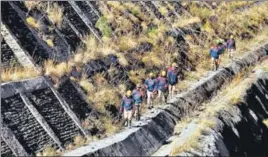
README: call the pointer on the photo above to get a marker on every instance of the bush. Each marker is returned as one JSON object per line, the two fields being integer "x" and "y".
{"x": 103, "y": 26}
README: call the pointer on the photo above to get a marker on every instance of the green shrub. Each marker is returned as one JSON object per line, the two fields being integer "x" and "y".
{"x": 135, "y": 12}
{"x": 103, "y": 26}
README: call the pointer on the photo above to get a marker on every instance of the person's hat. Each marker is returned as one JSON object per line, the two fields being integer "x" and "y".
{"x": 129, "y": 93}
{"x": 163, "y": 73}
{"x": 174, "y": 64}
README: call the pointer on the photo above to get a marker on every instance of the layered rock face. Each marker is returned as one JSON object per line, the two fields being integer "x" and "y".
{"x": 239, "y": 131}
{"x": 35, "y": 115}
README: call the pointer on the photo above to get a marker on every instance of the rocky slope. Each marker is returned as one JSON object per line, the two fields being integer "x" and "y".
{"x": 158, "y": 129}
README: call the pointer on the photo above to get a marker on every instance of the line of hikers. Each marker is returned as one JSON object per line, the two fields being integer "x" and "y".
{"x": 153, "y": 88}
{"x": 164, "y": 84}
{"x": 219, "y": 48}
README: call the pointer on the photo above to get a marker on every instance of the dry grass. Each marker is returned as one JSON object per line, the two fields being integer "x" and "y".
{"x": 50, "y": 42}
{"x": 79, "y": 141}
{"x": 152, "y": 59}
{"x": 192, "y": 140}
{"x": 57, "y": 70}
{"x": 127, "y": 42}
{"x": 186, "y": 21}
{"x": 182, "y": 124}
{"x": 110, "y": 128}
{"x": 263, "y": 66}
{"x": 31, "y": 4}
{"x": 265, "y": 122}
{"x": 48, "y": 151}
{"x": 55, "y": 13}
{"x": 163, "y": 10}
{"x": 100, "y": 92}
{"x": 121, "y": 59}
{"x": 201, "y": 12}
{"x": 104, "y": 95}
{"x": 183, "y": 85}
{"x": 32, "y": 22}
{"x": 136, "y": 11}
{"x": 16, "y": 74}
{"x": 86, "y": 85}
{"x": 136, "y": 75}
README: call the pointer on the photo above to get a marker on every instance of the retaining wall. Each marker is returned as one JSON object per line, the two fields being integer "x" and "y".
{"x": 150, "y": 130}
{"x": 239, "y": 131}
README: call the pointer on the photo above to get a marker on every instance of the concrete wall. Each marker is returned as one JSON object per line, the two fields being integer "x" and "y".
{"x": 239, "y": 130}
{"x": 35, "y": 115}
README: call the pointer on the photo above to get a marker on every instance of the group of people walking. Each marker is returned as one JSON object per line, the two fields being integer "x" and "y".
{"x": 161, "y": 87}
{"x": 219, "y": 48}
{"x": 153, "y": 88}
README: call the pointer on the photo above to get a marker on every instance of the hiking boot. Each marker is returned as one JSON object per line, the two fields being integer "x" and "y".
{"x": 124, "y": 123}
{"x": 129, "y": 123}
{"x": 137, "y": 117}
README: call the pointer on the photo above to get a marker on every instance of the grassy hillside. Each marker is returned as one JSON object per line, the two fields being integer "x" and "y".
{"x": 141, "y": 36}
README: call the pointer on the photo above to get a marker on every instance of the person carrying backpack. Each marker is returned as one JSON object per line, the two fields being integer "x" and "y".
{"x": 172, "y": 76}
{"x": 231, "y": 47}
{"x": 138, "y": 97}
{"x": 128, "y": 108}
{"x": 162, "y": 87}
{"x": 150, "y": 86}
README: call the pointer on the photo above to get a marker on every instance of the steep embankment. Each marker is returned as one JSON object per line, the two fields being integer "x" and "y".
{"x": 156, "y": 127}
{"x": 236, "y": 128}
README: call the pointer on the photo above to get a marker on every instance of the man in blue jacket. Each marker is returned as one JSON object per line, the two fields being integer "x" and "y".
{"x": 162, "y": 86}
{"x": 231, "y": 46}
{"x": 128, "y": 107}
{"x": 172, "y": 76}
{"x": 151, "y": 87}
{"x": 138, "y": 98}
{"x": 214, "y": 53}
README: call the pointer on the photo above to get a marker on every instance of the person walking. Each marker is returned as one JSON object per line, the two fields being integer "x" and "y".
{"x": 221, "y": 49}
{"x": 162, "y": 87}
{"x": 214, "y": 53}
{"x": 172, "y": 76}
{"x": 138, "y": 97}
{"x": 150, "y": 86}
{"x": 231, "y": 47}
{"x": 128, "y": 108}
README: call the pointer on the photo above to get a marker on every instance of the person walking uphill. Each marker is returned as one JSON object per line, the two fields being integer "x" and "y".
{"x": 138, "y": 97}
{"x": 231, "y": 47}
{"x": 162, "y": 87}
{"x": 172, "y": 76}
{"x": 128, "y": 108}
{"x": 150, "y": 86}
{"x": 214, "y": 53}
